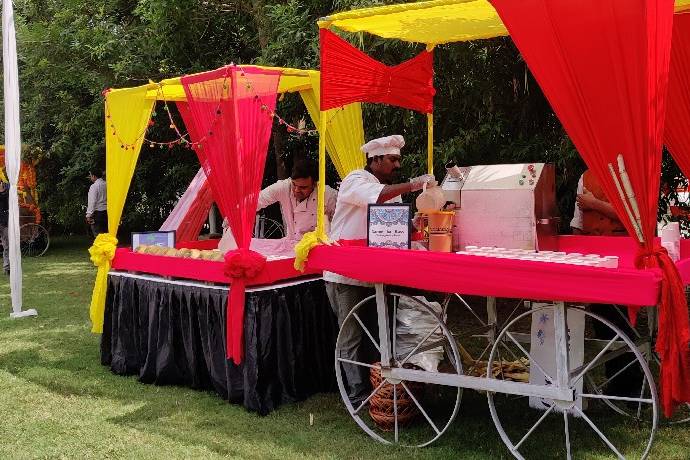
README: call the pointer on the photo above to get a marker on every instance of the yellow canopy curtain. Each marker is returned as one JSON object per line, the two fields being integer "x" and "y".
{"x": 344, "y": 134}
{"x": 128, "y": 112}
{"x": 341, "y": 133}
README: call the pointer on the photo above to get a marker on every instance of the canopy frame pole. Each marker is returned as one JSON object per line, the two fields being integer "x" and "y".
{"x": 12, "y": 155}
{"x": 430, "y": 142}
{"x": 321, "y": 187}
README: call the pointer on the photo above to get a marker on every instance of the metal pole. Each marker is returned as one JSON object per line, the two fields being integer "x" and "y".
{"x": 384, "y": 331}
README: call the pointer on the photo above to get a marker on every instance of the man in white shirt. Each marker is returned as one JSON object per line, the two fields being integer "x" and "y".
{"x": 373, "y": 184}
{"x": 96, "y": 209}
{"x": 297, "y": 197}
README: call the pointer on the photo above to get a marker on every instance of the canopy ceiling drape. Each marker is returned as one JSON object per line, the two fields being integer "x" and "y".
{"x": 432, "y": 22}
{"x": 348, "y": 75}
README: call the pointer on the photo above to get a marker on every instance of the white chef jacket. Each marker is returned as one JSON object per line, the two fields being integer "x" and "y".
{"x": 359, "y": 189}
{"x": 299, "y": 217}
{"x": 97, "y": 197}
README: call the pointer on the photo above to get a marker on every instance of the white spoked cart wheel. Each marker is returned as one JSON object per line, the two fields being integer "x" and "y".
{"x": 415, "y": 414}
{"x": 645, "y": 343}
{"x": 266, "y": 228}
{"x": 608, "y": 372}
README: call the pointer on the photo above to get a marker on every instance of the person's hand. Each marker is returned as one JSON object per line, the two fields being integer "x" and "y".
{"x": 587, "y": 201}
{"x": 90, "y": 221}
{"x": 419, "y": 181}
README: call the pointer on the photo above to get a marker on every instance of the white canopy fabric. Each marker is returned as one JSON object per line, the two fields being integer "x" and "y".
{"x": 12, "y": 152}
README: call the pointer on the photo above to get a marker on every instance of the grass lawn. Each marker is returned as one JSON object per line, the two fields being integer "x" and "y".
{"x": 57, "y": 401}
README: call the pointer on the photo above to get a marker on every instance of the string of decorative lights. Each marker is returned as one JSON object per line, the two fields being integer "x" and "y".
{"x": 181, "y": 139}
{"x": 184, "y": 139}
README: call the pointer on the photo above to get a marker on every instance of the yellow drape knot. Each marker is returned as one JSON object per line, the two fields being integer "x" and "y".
{"x": 103, "y": 249}
{"x": 308, "y": 242}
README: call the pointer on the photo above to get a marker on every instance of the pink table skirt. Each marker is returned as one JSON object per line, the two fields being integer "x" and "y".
{"x": 485, "y": 276}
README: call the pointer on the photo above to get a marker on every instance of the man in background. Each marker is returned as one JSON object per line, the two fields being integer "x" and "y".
{"x": 297, "y": 197}
{"x": 96, "y": 209}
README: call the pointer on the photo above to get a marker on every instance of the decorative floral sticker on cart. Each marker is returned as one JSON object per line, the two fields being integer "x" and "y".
{"x": 543, "y": 318}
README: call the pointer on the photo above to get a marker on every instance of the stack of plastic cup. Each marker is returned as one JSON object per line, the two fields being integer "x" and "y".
{"x": 573, "y": 258}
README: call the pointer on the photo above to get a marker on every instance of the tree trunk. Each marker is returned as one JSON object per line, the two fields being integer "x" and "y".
{"x": 278, "y": 149}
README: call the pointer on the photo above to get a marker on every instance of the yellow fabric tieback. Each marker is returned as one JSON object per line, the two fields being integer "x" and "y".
{"x": 103, "y": 249}
{"x": 308, "y": 242}
{"x": 102, "y": 253}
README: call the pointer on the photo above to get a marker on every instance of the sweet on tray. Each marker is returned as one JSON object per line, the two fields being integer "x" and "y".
{"x": 185, "y": 253}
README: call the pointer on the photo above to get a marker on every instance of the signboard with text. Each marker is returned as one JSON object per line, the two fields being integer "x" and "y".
{"x": 389, "y": 226}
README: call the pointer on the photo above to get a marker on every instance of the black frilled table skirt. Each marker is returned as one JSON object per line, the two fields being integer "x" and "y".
{"x": 173, "y": 333}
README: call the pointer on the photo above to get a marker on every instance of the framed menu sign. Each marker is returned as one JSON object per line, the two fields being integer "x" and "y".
{"x": 160, "y": 238}
{"x": 389, "y": 225}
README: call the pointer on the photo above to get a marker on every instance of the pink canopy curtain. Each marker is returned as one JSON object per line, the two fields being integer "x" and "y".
{"x": 603, "y": 65}
{"x": 231, "y": 111}
{"x": 191, "y": 210}
{"x": 677, "y": 134}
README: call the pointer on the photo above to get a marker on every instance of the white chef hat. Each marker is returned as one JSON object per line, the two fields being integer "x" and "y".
{"x": 389, "y": 145}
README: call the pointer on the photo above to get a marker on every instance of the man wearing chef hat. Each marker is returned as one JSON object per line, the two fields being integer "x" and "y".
{"x": 372, "y": 185}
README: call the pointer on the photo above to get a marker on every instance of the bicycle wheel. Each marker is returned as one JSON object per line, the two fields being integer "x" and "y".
{"x": 33, "y": 240}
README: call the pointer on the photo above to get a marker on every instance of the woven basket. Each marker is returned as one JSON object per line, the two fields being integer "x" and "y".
{"x": 381, "y": 407}
{"x": 514, "y": 371}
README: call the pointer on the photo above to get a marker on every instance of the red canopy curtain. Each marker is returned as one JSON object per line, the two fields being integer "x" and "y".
{"x": 677, "y": 134}
{"x": 349, "y": 75}
{"x": 196, "y": 215}
{"x": 603, "y": 65}
{"x": 231, "y": 110}
{"x": 191, "y": 210}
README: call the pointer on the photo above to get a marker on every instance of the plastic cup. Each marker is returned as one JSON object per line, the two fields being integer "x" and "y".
{"x": 610, "y": 261}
